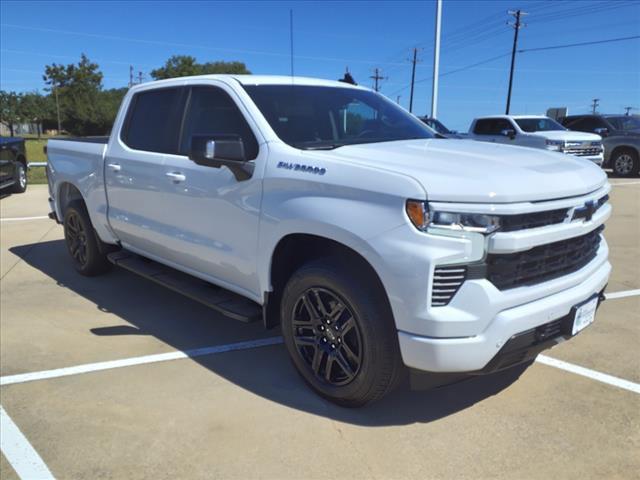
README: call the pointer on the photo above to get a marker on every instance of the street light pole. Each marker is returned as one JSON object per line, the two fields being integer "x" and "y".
{"x": 436, "y": 61}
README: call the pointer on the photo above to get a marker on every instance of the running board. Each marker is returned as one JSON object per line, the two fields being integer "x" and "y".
{"x": 228, "y": 303}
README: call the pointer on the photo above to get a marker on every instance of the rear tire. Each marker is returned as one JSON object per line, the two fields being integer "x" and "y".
{"x": 625, "y": 163}
{"x": 339, "y": 332}
{"x": 21, "y": 179}
{"x": 88, "y": 255}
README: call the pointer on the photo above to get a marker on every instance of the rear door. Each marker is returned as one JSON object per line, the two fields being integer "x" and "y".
{"x": 134, "y": 171}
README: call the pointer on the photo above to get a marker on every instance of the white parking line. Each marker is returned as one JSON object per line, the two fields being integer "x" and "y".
{"x": 22, "y": 219}
{"x": 625, "y": 293}
{"x": 592, "y": 374}
{"x": 128, "y": 362}
{"x": 19, "y": 452}
{"x": 622, "y": 184}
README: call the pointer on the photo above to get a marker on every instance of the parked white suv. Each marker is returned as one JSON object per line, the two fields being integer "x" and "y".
{"x": 330, "y": 211}
{"x": 537, "y": 131}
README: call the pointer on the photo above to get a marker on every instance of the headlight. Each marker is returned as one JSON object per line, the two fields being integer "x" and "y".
{"x": 556, "y": 145}
{"x": 423, "y": 218}
{"x": 596, "y": 144}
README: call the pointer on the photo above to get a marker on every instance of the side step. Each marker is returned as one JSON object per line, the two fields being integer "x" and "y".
{"x": 228, "y": 303}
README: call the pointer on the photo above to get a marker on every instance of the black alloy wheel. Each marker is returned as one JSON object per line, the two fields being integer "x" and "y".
{"x": 76, "y": 237}
{"x": 327, "y": 336}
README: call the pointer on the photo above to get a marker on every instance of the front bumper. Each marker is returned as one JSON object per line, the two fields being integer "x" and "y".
{"x": 476, "y": 353}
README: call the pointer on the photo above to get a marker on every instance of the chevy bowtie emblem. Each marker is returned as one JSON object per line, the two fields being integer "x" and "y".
{"x": 585, "y": 212}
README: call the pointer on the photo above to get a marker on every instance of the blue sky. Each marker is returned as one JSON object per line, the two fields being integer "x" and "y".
{"x": 329, "y": 36}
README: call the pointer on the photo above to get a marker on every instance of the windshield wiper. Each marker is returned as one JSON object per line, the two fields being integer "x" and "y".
{"x": 330, "y": 146}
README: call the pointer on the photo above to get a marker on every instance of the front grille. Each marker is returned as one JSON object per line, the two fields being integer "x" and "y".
{"x": 542, "y": 263}
{"x": 446, "y": 282}
{"x": 511, "y": 223}
{"x": 583, "y": 152}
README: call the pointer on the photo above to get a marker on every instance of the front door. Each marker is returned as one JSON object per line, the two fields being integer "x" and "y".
{"x": 213, "y": 214}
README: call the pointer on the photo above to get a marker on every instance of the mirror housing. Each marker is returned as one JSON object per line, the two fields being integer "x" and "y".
{"x": 221, "y": 150}
{"x": 603, "y": 132}
{"x": 508, "y": 132}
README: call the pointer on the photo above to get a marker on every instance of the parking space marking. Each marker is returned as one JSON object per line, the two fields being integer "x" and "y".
{"x": 623, "y": 294}
{"x": 587, "y": 372}
{"x": 622, "y": 184}
{"x": 128, "y": 362}
{"x": 22, "y": 219}
{"x": 19, "y": 452}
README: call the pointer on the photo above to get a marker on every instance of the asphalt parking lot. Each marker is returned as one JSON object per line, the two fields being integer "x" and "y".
{"x": 238, "y": 410}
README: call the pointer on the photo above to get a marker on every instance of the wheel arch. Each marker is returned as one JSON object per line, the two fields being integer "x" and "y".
{"x": 295, "y": 249}
{"x": 67, "y": 192}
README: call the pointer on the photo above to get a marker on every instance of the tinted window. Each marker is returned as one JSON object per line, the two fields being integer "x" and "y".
{"x": 538, "y": 124}
{"x": 211, "y": 111}
{"x": 310, "y": 117}
{"x": 625, "y": 122}
{"x": 153, "y": 122}
{"x": 584, "y": 124}
{"x": 492, "y": 126}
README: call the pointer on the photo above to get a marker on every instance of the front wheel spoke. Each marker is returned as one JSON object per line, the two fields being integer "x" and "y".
{"x": 344, "y": 365}
{"x": 317, "y": 360}
{"x": 336, "y": 312}
{"x": 328, "y": 367}
{"x": 350, "y": 353}
{"x": 311, "y": 309}
{"x": 321, "y": 307}
{"x": 347, "y": 325}
{"x": 305, "y": 341}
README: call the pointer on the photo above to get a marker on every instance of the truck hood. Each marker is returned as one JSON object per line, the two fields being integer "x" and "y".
{"x": 478, "y": 172}
{"x": 568, "y": 136}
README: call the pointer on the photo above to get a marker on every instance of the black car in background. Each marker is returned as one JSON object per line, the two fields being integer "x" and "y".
{"x": 13, "y": 165}
{"x": 620, "y": 138}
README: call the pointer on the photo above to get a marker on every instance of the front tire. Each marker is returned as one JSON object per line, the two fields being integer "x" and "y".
{"x": 82, "y": 242}
{"x": 20, "y": 186}
{"x": 625, "y": 163}
{"x": 339, "y": 332}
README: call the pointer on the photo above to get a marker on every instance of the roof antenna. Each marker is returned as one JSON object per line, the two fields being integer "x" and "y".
{"x": 291, "y": 37}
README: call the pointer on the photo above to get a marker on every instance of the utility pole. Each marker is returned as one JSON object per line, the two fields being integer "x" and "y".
{"x": 398, "y": 99}
{"x": 130, "y": 76}
{"x": 594, "y": 106}
{"x": 139, "y": 77}
{"x": 628, "y": 110}
{"x": 517, "y": 25}
{"x": 413, "y": 77}
{"x": 55, "y": 89}
{"x": 376, "y": 76}
{"x": 436, "y": 61}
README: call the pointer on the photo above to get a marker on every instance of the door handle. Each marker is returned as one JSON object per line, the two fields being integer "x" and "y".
{"x": 114, "y": 166}
{"x": 176, "y": 177}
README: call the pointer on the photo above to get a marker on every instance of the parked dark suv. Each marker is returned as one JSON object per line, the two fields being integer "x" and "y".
{"x": 13, "y": 164}
{"x": 620, "y": 137}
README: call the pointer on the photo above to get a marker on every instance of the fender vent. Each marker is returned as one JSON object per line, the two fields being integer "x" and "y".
{"x": 446, "y": 282}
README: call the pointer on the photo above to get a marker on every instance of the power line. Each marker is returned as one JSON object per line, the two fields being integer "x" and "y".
{"x": 596, "y": 42}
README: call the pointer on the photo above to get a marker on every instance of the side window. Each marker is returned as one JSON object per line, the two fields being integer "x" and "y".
{"x": 211, "y": 111}
{"x": 500, "y": 125}
{"x": 585, "y": 124}
{"x": 153, "y": 121}
{"x": 483, "y": 127}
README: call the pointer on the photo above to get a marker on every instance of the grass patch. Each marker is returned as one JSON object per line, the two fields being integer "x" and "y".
{"x": 35, "y": 153}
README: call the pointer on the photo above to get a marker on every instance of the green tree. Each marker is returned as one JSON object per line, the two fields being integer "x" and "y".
{"x": 186, "y": 65}
{"x": 9, "y": 109}
{"x": 34, "y": 108}
{"x": 78, "y": 87}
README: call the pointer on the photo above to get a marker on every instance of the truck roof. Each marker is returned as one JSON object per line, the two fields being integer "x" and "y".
{"x": 255, "y": 80}
{"x": 511, "y": 116}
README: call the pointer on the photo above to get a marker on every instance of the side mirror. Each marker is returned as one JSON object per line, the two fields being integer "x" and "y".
{"x": 221, "y": 150}
{"x": 603, "y": 132}
{"x": 508, "y": 132}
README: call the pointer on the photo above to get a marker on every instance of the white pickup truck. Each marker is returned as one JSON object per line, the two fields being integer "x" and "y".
{"x": 537, "y": 131}
{"x": 327, "y": 210}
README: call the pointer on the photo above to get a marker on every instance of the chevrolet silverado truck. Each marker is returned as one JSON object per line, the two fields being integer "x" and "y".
{"x": 537, "y": 131}
{"x": 329, "y": 211}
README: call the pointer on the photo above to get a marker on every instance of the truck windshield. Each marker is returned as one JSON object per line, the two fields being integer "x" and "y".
{"x": 538, "y": 124}
{"x": 318, "y": 118}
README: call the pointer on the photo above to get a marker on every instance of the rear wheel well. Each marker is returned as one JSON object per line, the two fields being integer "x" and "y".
{"x": 295, "y": 250}
{"x": 620, "y": 148}
{"x": 67, "y": 193}
{"x": 22, "y": 159}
